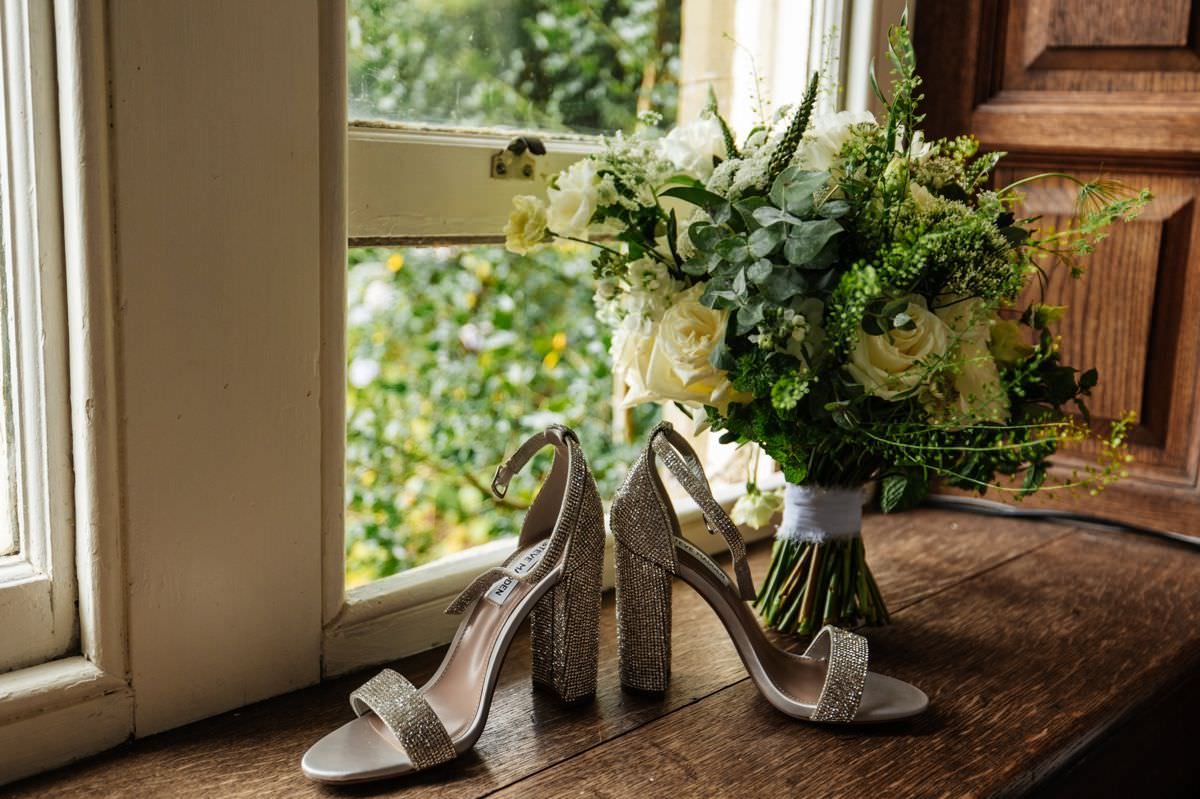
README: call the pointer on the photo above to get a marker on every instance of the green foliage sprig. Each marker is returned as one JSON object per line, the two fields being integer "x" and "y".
{"x": 786, "y": 148}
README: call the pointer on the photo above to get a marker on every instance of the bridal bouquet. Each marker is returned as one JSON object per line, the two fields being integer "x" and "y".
{"x": 860, "y": 302}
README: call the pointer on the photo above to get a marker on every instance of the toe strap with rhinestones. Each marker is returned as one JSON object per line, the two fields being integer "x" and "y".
{"x": 409, "y": 717}
{"x": 845, "y": 656}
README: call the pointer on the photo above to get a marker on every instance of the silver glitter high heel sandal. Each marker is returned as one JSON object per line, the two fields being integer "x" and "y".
{"x": 828, "y": 683}
{"x": 554, "y": 577}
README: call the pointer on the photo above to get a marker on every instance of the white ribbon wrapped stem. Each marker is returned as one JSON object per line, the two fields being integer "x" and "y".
{"x": 818, "y": 514}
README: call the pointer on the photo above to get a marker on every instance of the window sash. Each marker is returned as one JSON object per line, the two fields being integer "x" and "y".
{"x": 37, "y": 584}
{"x": 421, "y": 186}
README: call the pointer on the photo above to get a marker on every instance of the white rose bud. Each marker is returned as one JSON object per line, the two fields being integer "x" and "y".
{"x": 573, "y": 200}
{"x": 692, "y": 147}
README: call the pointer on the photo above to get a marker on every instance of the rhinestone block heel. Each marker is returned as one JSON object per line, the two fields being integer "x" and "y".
{"x": 829, "y": 682}
{"x": 554, "y": 577}
{"x": 643, "y": 621}
{"x": 564, "y": 632}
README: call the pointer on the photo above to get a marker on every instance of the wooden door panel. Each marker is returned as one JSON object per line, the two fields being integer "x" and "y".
{"x": 1108, "y": 76}
{"x": 1114, "y": 23}
{"x": 1099, "y": 87}
{"x": 1111, "y": 46}
{"x": 1127, "y": 316}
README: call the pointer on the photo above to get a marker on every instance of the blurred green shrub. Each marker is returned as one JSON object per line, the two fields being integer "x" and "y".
{"x": 455, "y": 356}
{"x": 583, "y": 65}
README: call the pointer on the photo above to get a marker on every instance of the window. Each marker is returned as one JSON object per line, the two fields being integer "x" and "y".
{"x": 37, "y": 581}
{"x": 457, "y": 353}
{"x": 456, "y": 350}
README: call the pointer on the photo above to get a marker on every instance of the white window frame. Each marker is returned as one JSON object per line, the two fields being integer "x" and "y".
{"x": 75, "y": 698}
{"x": 37, "y": 583}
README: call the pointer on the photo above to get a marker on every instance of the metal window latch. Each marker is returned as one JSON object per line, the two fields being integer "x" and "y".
{"x": 516, "y": 161}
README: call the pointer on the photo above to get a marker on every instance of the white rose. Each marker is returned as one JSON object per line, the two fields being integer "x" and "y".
{"x": 755, "y": 509}
{"x": 526, "y": 226}
{"x": 894, "y": 363}
{"x": 980, "y": 394}
{"x": 573, "y": 200}
{"x": 692, "y": 147}
{"x": 826, "y": 137}
{"x": 671, "y": 360}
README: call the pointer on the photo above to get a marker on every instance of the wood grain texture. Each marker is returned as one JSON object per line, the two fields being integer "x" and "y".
{"x": 1024, "y": 666}
{"x": 1099, "y": 88}
{"x": 1115, "y": 46}
{"x": 1012, "y": 628}
{"x": 256, "y": 751}
{"x": 1116, "y": 23}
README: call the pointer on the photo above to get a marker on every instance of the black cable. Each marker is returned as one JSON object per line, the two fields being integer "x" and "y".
{"x": 990, "y": 508}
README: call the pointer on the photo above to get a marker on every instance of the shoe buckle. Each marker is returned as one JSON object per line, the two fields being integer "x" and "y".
{"x": 500, "y": 481}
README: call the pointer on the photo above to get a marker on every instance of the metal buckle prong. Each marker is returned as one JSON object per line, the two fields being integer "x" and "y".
{"x": 500, "y": 481}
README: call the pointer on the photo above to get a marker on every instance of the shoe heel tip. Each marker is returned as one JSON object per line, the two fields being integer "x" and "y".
{"x": 645, "y": 687}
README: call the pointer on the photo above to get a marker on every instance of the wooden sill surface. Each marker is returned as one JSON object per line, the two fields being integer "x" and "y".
{"x": 1058, "y": 662}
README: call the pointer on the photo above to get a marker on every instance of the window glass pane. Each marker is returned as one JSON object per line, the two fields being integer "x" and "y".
{"x": 455, "y": 355}
{"x": 557, "y": 65}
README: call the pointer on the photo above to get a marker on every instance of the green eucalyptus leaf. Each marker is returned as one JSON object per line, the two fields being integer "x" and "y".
{"x": 759, "y": 271}
{"x": 770, "y": 215}
{"x": 806, "y": 240}
{"x": 766, "y": 240}
{"x": 734, "y": 249}
{"x": 704, "y": 236}
{"x": 783, "y": 284}
{"x": 721, "y": 356}
{"x": 794, "y": 190}
{"x": 739, "y": 286}
{"x": 700, "y": 264}
{"x": 746, "y": 209}
{"x": 894, "y": 308}
{"x": 719, "y": 298}
{"x": 748, "y": 317}
{"x": 833, "y": 209}
{"x": 682, "y": 179}
{"x": 824, "y": 280}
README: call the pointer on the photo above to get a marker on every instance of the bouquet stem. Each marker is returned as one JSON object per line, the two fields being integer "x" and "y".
{"x": 813, "y": 581}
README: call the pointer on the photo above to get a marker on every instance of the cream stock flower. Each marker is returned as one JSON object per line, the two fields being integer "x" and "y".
{"x": 692, "y": 147}
{"x": 895, "y": 362}
{"x": 980, "y": 394}
{"x": 755, "y": 508}
{"x": 669, "y": 360}
{"x": 573, "y": 200}
{"x": 526, "y": 226}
